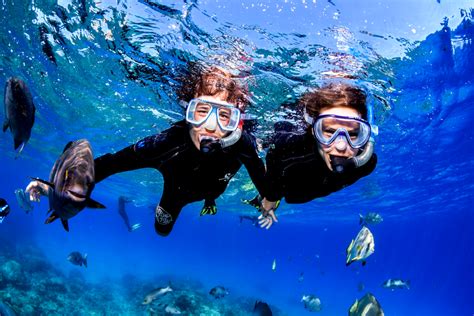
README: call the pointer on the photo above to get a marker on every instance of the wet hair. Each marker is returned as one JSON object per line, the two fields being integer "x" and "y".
{"x": 212, "y": 81}
{"x": 332, "y": 95}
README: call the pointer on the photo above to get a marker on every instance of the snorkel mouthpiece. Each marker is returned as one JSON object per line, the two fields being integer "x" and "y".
{"x": 342, "y": 164}
{"x": 209, "y": 146}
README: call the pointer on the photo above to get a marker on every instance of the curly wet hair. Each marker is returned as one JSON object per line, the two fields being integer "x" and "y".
{"x": 213, "y": 80}
{"x": 332, "y": 95}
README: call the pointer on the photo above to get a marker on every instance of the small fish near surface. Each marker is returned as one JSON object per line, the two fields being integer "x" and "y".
{"x": 370, "y": 218}
{"x": 361, "y": 248}
{"x": 262, "y": 309}
{"x": 76, "y": 258}
{"x": 71, "y": 182}
{"x": 19, "y": 112}
{"x": 23, "y": 200}
{"x": 156, "y": 293}
{"x": 4, "y": 209}
{"x": 394, "y": 284}
{"x": 312, "y": 303}
{"x": 366, "y": 306}
{"x": 218, "y": 292}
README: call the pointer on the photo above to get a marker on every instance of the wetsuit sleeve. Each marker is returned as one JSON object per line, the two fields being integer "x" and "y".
{"x": 273, "y": 176}
{"x": 254, "y": 164}
{"x": 144, "y": 154}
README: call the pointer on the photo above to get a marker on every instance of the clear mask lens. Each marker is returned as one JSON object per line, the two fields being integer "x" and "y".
{"x": 200, "y": 111}
{"x": 328, "y": 128}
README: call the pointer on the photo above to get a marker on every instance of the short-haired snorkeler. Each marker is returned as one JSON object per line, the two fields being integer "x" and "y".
{"x": 335, "y": 151}
{"x": 196, "y": 156}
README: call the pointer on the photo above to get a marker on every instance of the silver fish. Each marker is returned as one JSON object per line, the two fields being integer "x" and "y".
{"x": 396, "y": 284}
{"x": 361, "y": 248}
{"x": 366, "y": 306}
{"x": 72, "y": 182}
{"x": 19, "y": 112}
{"x": 370, "y": 218}
{"x": 171, "y": 310}
{"x": 153, "y": 295}
{"x": 311, "y": 303}
{"x": 23, "y": 200}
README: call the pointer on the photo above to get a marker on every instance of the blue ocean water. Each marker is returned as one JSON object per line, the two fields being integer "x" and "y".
{"x": 112, "y": 77}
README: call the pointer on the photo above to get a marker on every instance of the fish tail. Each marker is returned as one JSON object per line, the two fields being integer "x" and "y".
{"x": 84, "y": 260}
{"x": 361, "y": 219}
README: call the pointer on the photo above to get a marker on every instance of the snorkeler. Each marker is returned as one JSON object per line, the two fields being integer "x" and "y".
{"x": 199, "y": 155}
{"x": 335, "y": 151}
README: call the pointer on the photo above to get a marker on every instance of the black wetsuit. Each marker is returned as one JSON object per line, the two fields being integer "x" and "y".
{"x": 188, "y": 174}
{"x": 297, "y": 172}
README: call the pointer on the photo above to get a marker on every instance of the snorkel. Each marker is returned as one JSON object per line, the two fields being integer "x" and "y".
{"x": 208, "y": 145}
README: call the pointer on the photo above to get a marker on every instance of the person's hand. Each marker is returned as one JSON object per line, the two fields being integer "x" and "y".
{"x": 266, "y": 219}
{"x": 36, "y": 189}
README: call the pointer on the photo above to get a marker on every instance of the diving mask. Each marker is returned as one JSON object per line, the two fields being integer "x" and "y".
{"x": 329, "y": 127}
{"x": 226, "y": 115}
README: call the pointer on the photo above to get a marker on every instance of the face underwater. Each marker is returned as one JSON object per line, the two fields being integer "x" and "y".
{"x": 340, "y": 146}
{"x": 211, "y": 119}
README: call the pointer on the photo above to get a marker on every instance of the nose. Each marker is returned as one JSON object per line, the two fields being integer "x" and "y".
{"x": 211, "y": 122}
{"x": 341, "y": 143}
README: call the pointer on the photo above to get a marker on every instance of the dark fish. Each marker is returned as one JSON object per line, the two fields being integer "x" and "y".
{"x": 262, "y": 309}
{"x": 218, "y": 292}
{"x": 72, "y": 181}
{"x": 4, "y": 210}
{"x": 19, "y": 111}
{"x": 77, "y": 258}
{"x": 121, "y": 210}
{"x": 366, "y": 306}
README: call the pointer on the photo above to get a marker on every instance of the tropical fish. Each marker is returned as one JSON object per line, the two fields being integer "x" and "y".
{"x": 19, "y": 112}
{"x": 153, "y": 295}
{"x": 396, "y": 284}
{"x": 370, "y": 218}
{"x": 274, "y": 265}
{"x": 262, "y": 309}
{"x": 23, "y": 200}
{"x": 4, "y": 209}
{"x": 171, "y": 310}
{"x": 71, "y": 182}
{"x": 219, "y": 292}
{"x": 311, "y": 303}
{"x": 360, "y": 248}
{"x": 121, "y": 210}
{"x": 366, "y": 306}
{"x": 77, "y": 258}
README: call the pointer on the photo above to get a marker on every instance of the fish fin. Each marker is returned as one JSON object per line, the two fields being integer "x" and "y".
{"x": 67, "y": 145}
{"x": 17, "y": 144}
{"x": 51, "y": 218}
{"x": 353, "y": 308}
{"x": 43, "y": 181}
{"x": 361, "y": 219}
{"x": 84, "y": 260}
{"x": 21, "y": 149}
{"x": 65, "y": 224}
{"x": 94, "y": 204}
{"x": 6, "y": 124}
{"x": 364, "y": 263}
